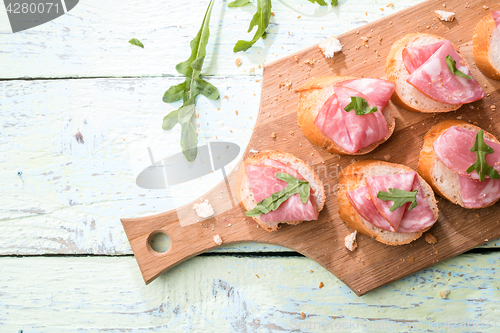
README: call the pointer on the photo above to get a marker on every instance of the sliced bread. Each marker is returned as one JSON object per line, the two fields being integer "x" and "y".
{"x": 486, "y": 49}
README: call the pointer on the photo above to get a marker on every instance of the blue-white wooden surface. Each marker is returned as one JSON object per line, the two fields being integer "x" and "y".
{"x": 62, "y": 199}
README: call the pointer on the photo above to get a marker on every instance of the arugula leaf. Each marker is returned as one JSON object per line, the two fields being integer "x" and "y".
{"x": 238, "y": 3}
{"x": 190, "y": 89}
{"x": 482, "y": 149}
{"x": 399, "y": 197}
{"x": 136, "y": 42}
{"x": 260, "y": 19}
{"x": 360, "y": 106}
{"x": 302, "y": 187}
{"x": 319, "y": 2}
{"x": 335, "y": 2}
{"x": 452, "y": 66}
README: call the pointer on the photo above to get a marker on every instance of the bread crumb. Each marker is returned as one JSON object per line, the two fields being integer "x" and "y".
{"x": 217, "y": 240}
{"x": 197, "y": 115}
{"x": 412, "y": 259}
{"x": 292, "y": 132}
{"x": 204, "y": 209}
{"x": 309, "y": 62}
{"x": 237, "y": 62}
{"x": 252, "y": 70}
{"x": 365, "y": 40}
{"x": 350, "y": 241}
{"x": 253, "y": 151}
{"x": 444, "y": 293}
{"x": 321, "y": 285}
{"x": 390, "y": 4}
{"x": 445, "y": 16}
{"x": 302, "y": 314}
{"x": 459, "y": 117}
{"x": 257, "y": 276}
{"x": 296, "y": 59}
{"x": 273, "y": 135}
{"x": 430, "y": 238}
{"x": 387, "y": 157}
{"x": 236, "y": 112}
{"x": 310, "y": 271}
{"x": 272, "y": 13}
{"x": 486, "y": 7}
{"x": 330, "y": 46}
{"x": 493, "y": 107}
{"x": 299, "y": 16}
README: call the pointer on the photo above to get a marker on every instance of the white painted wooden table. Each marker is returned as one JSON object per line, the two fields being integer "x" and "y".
{"x": 66, "y": 265}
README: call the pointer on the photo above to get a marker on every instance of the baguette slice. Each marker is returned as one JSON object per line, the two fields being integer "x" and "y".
{"x": 313, "y": 95}
{"x": 353, "y": 177}
{"x": 406, "y": 95}
{"x": 486, "y": 49}
{"x": 244, "y": 191}
{"x": 443, "y": 180}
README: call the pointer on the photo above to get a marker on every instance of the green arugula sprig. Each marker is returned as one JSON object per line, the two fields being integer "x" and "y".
{"x": 271, "y": 203}
{"x": 482, "y": 149}
{"x": 190, "y": 89}
{"x": 399, "y": 197}
{"x": 452, "y": 66}
{"x": 136, "y": 42}
{"x": 360, "y": 106}
{"x": 260, "y": 19}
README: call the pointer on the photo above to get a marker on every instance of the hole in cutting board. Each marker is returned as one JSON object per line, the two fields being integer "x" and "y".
{"x": 159, "y": 242}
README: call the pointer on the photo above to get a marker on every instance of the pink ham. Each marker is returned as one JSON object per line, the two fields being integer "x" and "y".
{"x": 477, "y": 194}
{"x": 453, "y": 149}
{"x": 346, "y": 129}
{"x": 401, "y": 181}
{"x": 263, "y": 182}
{"x": 414, "y": 57}
{"x": 421, "y": 216}
{"x": 496, "y": 17}
{"x": 435, "y": 80}
{"x": 283, "y": 167}
{"x": 361, "y": 201}
{"x": 377, "y": 90}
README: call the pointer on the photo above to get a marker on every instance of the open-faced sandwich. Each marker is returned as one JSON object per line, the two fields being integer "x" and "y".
{"x": 486, "y": 42}
{"x": 386, "y": 201}
{"x": 461, "y": 163}
{"x": 346, "y": 115}
{"x": 276, "y": 187}
{"x": 430, "y": 74}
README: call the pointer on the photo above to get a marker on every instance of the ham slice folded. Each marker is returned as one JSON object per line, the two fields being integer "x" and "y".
{"x": 377, "y": 90}
{"x": 414, "y": 57}
{"x": 434, "y": 79}
{"x": 401, "y": 181}
{"x": 477, "y": 194}
{"x": 263, "y": 181}
{"x": 406, "y": 220}
{"x": 346, "y": 129}
{"x": 453, "y": 149}
{"x": 361, "y": 201}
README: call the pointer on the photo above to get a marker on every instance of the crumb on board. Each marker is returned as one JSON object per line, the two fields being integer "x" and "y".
{"x": 203, "y": 209}
{"x": 273, "y": 135}
{"x": 412, "y": 259}
{"x": 321, "y": 285}
{"x": 330, "y": 46}
{"x": 217, "y": 240}
{"x": 430, "y": 238}
{"x": 350, "y": 241}
{"x": 237, "y": 62}
{"x": 253, "y": 151}
{"x": 296, "y": 59}
{"x": 444, "y": 293}
{"x": 445, "y": 16}
{"x": 387, "y": 157}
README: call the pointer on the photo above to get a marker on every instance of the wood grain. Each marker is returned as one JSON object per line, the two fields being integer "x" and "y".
{"x": 457, "y": 229}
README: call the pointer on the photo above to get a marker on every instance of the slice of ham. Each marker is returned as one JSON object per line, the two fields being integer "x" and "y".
{"x": 496, "y": 17}
{"x": 377, "y": 90}
{"x": 453, "y": 149}
{"x": 346, "y": 129}
{"x": 414, "y": 57}
{"x": 264, "y": 183}
{"x": 477, "y": 194}
{"x": 401, "y": 181}
{"x": 421, "y": 216}
{"x": 434, "y": 79}
{"x": 281, "y": 166}
{"x": 361, "y": 201}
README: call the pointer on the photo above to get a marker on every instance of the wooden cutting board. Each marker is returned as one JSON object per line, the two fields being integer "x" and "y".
{"x": 372, "y": 264}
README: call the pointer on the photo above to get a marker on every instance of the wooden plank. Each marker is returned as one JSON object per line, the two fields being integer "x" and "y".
{"x": 457, "y": 230}
{"x": 236, "y": 294}
{"x": 92, "y": 39}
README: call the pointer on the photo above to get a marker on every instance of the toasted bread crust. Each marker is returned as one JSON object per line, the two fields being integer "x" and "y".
{"x": 481, "y": 51}
{"x": 428, "y": 157}
{"x": 352, "y": 178}
{"x": 394, "y": 65}
{"x": 242, "y": 185}
{"x": 311, "y": 100}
